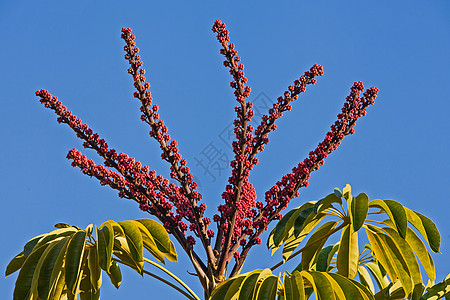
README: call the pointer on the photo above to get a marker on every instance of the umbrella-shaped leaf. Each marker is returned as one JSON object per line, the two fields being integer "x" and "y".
{"x": 74, "y": 256}
{"x": 395, "y": 211}
{"x": 64, "y": 225}
{"x": 316, "y": 242}
{"x": 337, "y": 192}
{"x": 358, "y": 210}
{"x": 114, "y": 274}
{"x": 25, "y": 277}
{"x": 134, "y": 240}
{"x": 15, "y": 264}
{"x": 94, "y": 269}
{"x": 49, "y": 265}
{"x": 161, "y": 238}
{"x": 105, "y": 243}
{"x": 348, "y": 254}
{"x": 426, "y": 227}
{"x": 268, "y": 288}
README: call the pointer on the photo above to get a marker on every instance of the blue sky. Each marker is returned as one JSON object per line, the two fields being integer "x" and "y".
{"x": 400, "y": 150}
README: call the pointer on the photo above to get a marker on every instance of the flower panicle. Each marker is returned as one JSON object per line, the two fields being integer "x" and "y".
{"x": 287, "y": 188}
{"x": 179, "y": 171}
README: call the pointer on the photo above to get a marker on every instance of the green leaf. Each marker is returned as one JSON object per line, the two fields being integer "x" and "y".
{"x": 161, "y": 238}
{"x": 396, "y": 213}
{"x": 316, "y": 242}
{"x": 150, "y": 244}
{"x": 64, "y": 225}
{"x": 15, "y": 264}
{"x": 62, "y": 232}
{"x": 233, "y": 290}
{"x": 438, "y": 290}
{"x": 248, "y": 285}
{"x": 48, "y": 265}
{"x": 29, "y": 246}
{"x": 326, "y": 202}
{"x": 347, "y": 192}
{"x": 380, "y": 278}
{"x": 337, "y": 192}
{"x": 294, "y": 240}
{"x": 268, "y": 288}
{"x": 87, "y": 291}
{"x": 58, "y": 279}
{"x": 348, "y": 254}
{"x": 25, "y": 277}
{"x": 352, "y": 289}
{"x": 390, "y": 257}
{"x": 427, "y": 229}
{"x": 407, "y": 253}
{"x": 105, "y": 243}
{"x": 358, "y": 210}
{"x": 75, "y": 252}
{"x": 297, "y": 289}
{"x": 321, "y": 285}
{"x": 114, "y": 274}
{"x": 135, "y": 243}
{"x": 365, "y": 279}
{"x": 94, "y": 268}
{"x": 221, "y": 290}
{"x": 324, "y": 258}
{"x": 422, "y": 253}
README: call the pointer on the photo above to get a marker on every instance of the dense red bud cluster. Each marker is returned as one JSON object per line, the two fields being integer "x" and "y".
{"x": 241, "y": 219}
{"x": 159, "y": 131}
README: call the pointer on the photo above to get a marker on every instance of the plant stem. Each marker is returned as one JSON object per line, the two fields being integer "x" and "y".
{"x": 162, "y": 280}
{"x": 173, "y": 276}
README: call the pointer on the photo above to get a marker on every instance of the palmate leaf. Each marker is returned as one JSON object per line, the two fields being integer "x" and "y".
{"x": 68, "y": 261}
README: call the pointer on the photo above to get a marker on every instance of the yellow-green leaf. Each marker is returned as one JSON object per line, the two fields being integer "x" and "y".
{"x": 15, "y": 264}
{"x": 248, "y": 285}
{"x": 48, "y": 266}
{"x": 114, "y": 274}
{"x": 105, "y": 243}
{"x": 427, "y": 228}
{"x": 58, "y": 279}
{"x": 316, "y": 242}
{"x": 25, "y": 277}
{"x": 382, "y": 280}
{"x": 348, "y": 254}
{"x": 353, "y": 290}
{"x": 268, "y": 288}
{"x": 365, "y": 279}
{"x": 94, "y": 268}
{"x": 297, "y": 287}
{"x": 161, "y": 238}
{"x": 134, "y": 240}
{"x": 396, "y": 213}
{"x": 358, "y": 210}
{"x": 321, "y": 285}
{"x": 422, "y": 253}
{"x": 75, "y": 252}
